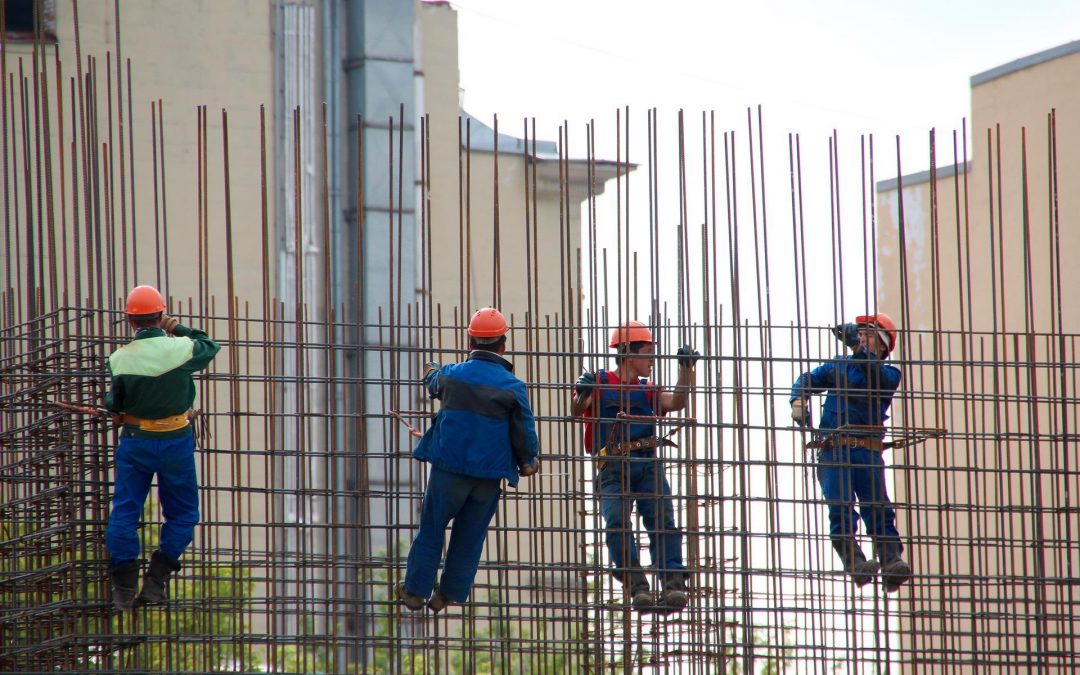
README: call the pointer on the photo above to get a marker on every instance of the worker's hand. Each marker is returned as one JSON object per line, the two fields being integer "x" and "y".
{"x": 688, "y": 356}
{"x": 529, "y": 469}
{"x": 429, "y": 367}
{"x": 585, "y": 383}
{"x": 168, "y": 323}
{"x": 799, "y": 412}
{"x": 848, "y": 333}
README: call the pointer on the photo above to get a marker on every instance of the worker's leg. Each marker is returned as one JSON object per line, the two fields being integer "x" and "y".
{"x": 834, "y": 475}
{"x": 133, "y": 475}
{"x": 445, "y": 494}
{"x": 178, "y": 490}
{"x": 615, "y": 507}
{"x": 653, "y": 493}
{"x": 880, "y": 518}
{"x": 467, "y": 539}
{"x": 654, "y": 502}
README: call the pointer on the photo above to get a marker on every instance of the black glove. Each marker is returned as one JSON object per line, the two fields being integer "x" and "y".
{"x": 848, "y": 333}
{"x": 688, "y": 356}
{"x": 585, "y": 383}
{"x": 529, "y": 469}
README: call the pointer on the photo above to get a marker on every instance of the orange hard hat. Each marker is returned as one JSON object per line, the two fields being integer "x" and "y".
{"x": 883, "y": 322}
{"x": 144, "y": 300}
{"x": 487, "y": 323}
{"x": 631, "y": 331}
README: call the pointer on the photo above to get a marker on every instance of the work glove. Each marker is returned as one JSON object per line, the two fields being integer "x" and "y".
{"x": 848, "y": 333}
{"x": 529, "y": 469}
{"x": 799, "y": 412}
{"x": 168, "y": 323}
{"x": 585, "y": 383}
{"x": 429, "y": 367}
{"x": 688, "y": 356}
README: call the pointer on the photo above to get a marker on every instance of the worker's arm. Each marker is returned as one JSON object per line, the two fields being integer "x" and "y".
{"x": 677, "y": 399}
{"x": 816, "y": 381}
{"x": 523, "y": 438}
{"x": 203, "y": 349}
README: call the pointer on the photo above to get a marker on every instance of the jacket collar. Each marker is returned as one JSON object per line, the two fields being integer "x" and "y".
{"x": 492, "y": 357}
{"x": 144, "y": 333}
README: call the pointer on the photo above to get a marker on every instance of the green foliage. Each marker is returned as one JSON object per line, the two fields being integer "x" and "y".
{"x": 777, "y": 647}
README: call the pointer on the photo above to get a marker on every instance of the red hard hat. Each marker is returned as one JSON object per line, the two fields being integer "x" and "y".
{"x": 882, "y": 321}
{"x": 144, "y": 300}
{"x": 488, "y": 323}
{"x": 631, "y": 331}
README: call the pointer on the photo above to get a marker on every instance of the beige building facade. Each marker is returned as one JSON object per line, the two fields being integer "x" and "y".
{"x": 976, "y": 263}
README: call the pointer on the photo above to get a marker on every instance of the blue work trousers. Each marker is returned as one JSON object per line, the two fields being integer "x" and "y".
{"x": 850, "y": 474}
{"x": 639, "y": 477}
{"x": 137, "y": 461}
{"x": 470, "y": 503}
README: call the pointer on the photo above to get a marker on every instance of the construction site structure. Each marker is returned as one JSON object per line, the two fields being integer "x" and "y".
{"x": 333, "y": 253}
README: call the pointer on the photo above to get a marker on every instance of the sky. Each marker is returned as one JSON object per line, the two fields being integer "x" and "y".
{"x": 856, "y": 67}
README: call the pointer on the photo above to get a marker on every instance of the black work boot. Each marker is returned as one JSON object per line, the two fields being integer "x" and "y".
{"x": 862, "y": 571}
{"x": 636, "y": 586}
{"x": 894, "y": 571}
{"x": 125, "y": 584}
{"x": 674, "y": 598}
{"x": 154, "y": 591}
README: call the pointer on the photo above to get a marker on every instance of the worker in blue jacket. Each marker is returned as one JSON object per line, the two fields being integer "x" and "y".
{"x": 484, "y": 433}
{"x": 859, "y": 387}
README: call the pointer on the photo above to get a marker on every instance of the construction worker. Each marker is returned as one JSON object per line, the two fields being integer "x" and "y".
{"x": 484, "y": 433}
{"x": 629, "y": 467}
{"x": 151, "y": 394}
{"x": 859, "y": 387}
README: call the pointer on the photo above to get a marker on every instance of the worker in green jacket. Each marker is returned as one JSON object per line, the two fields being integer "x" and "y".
{"x": 151, "y": 393}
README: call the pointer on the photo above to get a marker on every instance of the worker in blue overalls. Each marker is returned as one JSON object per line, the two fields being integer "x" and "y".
{"x": 859, "y": 389}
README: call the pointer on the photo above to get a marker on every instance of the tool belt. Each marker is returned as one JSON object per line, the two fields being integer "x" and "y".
{"x": 870, "y": 443}
{"x": 620, "y": 449}
{"x": 171, "y": 423}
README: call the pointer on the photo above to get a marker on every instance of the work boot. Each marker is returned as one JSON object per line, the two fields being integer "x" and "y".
{"x": 862, "y": 571}
{"x": 154, "y": 590}
{"x": 412, "y": 601}
{"x": 438, "y": 601}
{"x": 125, "y": 584}
{"x": 674, "y": 597}
{"x": 894, "y": 571}
{"x": 637, "y": 587}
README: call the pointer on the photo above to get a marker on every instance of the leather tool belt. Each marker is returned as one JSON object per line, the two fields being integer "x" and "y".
{"x": 171, "y": 423}
{"x": 867, "y": 442}
{"x": 620, "y": 449}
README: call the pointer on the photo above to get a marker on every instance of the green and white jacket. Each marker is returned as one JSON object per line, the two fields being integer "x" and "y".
{"x": 151, "y": 376}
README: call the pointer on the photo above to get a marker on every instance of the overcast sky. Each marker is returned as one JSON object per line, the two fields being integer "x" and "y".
{"x": 860, "y": 66}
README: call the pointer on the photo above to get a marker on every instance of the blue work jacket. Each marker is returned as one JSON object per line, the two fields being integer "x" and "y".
{"x": 860, "y": 388}
{"x": 485, "y": 428}
{"x": 631, "y": 398}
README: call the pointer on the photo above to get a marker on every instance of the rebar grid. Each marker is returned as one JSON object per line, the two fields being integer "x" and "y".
{"x": 309, "y": 497}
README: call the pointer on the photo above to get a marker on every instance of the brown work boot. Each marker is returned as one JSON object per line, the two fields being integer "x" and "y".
{"x": 895, "y": 572}
{"x": 637, "y": 589}
{"x": 412, "y": 601}
{"x": 862, "y": 571}
{"x": 438, "y": 601}
{"x": 675, "y": 597}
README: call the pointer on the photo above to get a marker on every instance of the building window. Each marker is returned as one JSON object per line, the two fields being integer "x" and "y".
{"x": 19, "y": 19}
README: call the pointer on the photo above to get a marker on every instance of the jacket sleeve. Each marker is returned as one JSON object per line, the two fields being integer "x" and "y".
{"x": 203, "y": 348}
{"x": 523, "y": 439}
{"x": 433, "y": 382}
{"x": 816, "y": 381}
{"x": 114, "y": 399}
